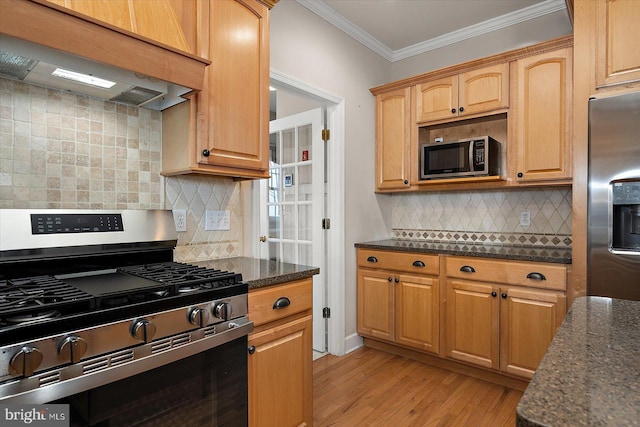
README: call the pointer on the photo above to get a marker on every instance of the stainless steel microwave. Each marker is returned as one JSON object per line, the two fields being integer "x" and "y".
{"x": 464, "y": 158}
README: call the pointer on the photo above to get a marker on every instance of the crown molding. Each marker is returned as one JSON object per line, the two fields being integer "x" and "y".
{"x": 330, "y": 15}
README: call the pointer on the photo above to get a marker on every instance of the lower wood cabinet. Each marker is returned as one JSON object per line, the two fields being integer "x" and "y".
{"x": 496, "y": 314}
{"x": 398, "y": 307}
{"x": 499, "y": 326}
{"x": 281, "y": 356}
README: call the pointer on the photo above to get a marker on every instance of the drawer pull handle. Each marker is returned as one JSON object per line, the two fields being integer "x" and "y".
{"x": 372, "y": 259}
{"x": 467, "y": 269}
{"x": 418, "y": 264}
{"x": 281, "y": 302}
{"x": 536, "y": 276}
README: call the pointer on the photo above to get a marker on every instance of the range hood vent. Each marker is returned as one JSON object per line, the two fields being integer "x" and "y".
{"x": 144, "y": 73}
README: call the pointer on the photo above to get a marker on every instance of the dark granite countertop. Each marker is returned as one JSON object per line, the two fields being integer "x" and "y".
{"x": 590, "y": 375}
{"x": 558, "y": 256}
{"x": 259, "y": 272}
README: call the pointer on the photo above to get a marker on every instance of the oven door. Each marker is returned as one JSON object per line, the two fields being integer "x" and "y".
{"x": 206, "y": 389}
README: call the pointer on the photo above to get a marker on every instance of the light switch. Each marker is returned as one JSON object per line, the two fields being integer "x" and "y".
{"x": 217, "y": 220}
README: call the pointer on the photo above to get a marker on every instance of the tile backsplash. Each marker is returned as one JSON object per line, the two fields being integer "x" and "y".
{"x": 61, "y": 150}
{"x": 485, "y": 217}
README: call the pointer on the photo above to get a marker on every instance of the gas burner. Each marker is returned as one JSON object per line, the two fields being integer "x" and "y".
{"x": 32, "y": 317}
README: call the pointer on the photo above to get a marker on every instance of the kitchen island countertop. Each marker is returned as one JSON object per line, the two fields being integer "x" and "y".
{"x": 260, "y": 272}
{"x": 590, "y": 374}
{"x": 542, "y": 254}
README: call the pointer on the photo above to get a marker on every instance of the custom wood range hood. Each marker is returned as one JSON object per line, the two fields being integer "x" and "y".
{"x": 58, "y": 34}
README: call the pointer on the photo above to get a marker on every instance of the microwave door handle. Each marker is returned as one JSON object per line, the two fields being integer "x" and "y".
{"x": 471, "y": 165}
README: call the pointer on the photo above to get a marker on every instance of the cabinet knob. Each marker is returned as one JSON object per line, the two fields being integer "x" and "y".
{"x": 520, "y": 174}
{"x": 389, "y": 279}
{"x": 494, "y": 294}
{"x": 504, "y": 295}
{"x": 396, "y": 280}
{"x": 406, "y": 182}
{"x": 461, "y": 109}
{"x": 467, "y": 269}
{"x": 206, "y": 152}
{"x": 251, "y": 349}
{"x": 536, "y": 276}
{"x": 453, "y": 110}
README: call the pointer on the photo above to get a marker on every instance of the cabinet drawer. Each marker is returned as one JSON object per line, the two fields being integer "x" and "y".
{"x": 262, "y": 302}
{"x": 400, "y": 261}
{"x": 532, "y": 274}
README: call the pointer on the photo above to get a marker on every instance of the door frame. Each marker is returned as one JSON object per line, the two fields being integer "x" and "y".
{"x": 335, "y": 236}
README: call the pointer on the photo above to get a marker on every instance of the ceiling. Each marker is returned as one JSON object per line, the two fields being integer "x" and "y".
{"x": 398, "y": 29}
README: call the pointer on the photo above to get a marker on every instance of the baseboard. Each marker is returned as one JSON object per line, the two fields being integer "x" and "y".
{"x": 352, "y": 342}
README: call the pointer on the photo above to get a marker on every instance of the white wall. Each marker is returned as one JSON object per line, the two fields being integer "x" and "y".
{"x": 523, "y": 34}
{"x": 307, "y": 48}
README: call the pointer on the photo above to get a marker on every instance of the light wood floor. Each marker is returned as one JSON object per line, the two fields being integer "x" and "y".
{"x": 369, "y": 387}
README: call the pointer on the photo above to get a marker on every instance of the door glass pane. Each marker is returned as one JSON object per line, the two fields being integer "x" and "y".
{"x": 304, "y": 183}
{"x": 274, "y": 221}
{"x": 288, "y": 222}
{"x": 289, "y": 145}
{"x": 274, "y": 191}
{"x": 288, "y": 184}
{"x": 304, "y": 143}
{"x": 274, "y": 144}
{"x": 304, "y": 222}
{"x": 289, "y": 252}
{"x": 274, "y": 251}
{"x": 305, "y": 254}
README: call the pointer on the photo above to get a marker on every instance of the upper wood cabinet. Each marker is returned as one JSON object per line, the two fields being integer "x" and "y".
{"x": 466, "y": 94}
{"x": 543, "y": 117}
{"x": 171, "y": 22}
{"x": 224, "y": 129}
{"x": 618, "y": 34}
{"x": 393, "y": 136}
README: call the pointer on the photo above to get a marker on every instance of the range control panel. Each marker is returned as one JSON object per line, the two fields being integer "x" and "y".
{"x": 626, "y": 193}
{"x": 75, "y": 223}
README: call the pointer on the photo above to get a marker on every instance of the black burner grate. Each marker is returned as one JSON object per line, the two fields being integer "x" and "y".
{"x": 40, "y": 293}
{"x": 184, "y": 276}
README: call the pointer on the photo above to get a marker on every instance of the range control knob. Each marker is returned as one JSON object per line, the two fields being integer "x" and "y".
{"x": 71, "y": 349}
{"x": 198, "y": 317}
{"x": 222, "y": 310}
{"x": 143, "y": 329}
{"x": 25, "y": 362}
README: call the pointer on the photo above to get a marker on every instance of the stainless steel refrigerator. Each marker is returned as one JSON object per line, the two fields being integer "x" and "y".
{"x": 613, "y": 264}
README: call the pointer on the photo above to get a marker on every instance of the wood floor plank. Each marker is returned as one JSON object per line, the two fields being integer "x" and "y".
{"x": 369, "y": 387}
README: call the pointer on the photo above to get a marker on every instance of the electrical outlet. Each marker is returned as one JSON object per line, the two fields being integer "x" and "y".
{"x": 180, "y": 219}
{"x": 217, "y": 220}
{"x": 525, "y": 218}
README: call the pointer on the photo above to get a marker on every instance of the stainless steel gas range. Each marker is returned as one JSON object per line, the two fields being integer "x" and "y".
{"x": 94, "y": 313}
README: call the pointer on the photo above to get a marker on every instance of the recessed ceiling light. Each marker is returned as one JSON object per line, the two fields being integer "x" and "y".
{"x": 83, "y": 78}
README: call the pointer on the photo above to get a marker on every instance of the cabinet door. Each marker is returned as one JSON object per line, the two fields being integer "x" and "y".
{"x": 437, "y": 99}
{"x": 280, "y": 375}
{"x": 528, "y": 321}
{"x": 393, "y": 133}
{"x": 473, "y": 323}
{"x": 543, "y": 116}
{"x": 484, "y": 90}
{"x": 160, "y": 20}
{"x": 618, "y": 56}
{"x": 233, "y": 110}
{"x": 376, "y": 304}
{"x": 417, "y": 312}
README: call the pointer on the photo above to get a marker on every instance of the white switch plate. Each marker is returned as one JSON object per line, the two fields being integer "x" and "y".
{"x": 217, "y": 220}
{"x": 525, "y": 219}
{"x": 180, "y": 219}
